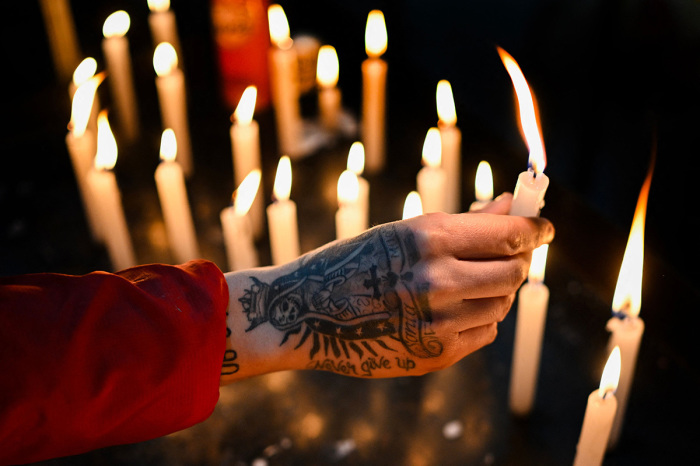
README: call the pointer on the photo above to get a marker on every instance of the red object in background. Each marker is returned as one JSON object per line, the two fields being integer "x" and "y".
{"x": 242, "y": 40}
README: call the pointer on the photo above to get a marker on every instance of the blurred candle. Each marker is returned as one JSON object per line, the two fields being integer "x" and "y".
{"x": 170, "y": 182}
{"x": 483, "y": 186}
{"x": 528, "y": 196}
{"x": 349, "y": 219}
{"x": 600, "y": 412}
{"x": 61, "y": 34}
{"x": 374, "y": 71}
{"x": 245, "y": 146}
{"x": 170, "y": 83}
{"x": 533, "y": 299}
{"x": 282, "y": 216}
{"x": 115, "y": 47}
{"x": 284, "y": 83}
{"x": 104, "y": 189}
{"x": 412, "y": 207}
{"x": 83, "y": 72}
{"x": 329, "y": 99}
{"x": 161, "y": 20}
{"x": 451, "y": 138}
{"x": 356, "y": 164}
{"x": 431, "y": 178}
{"x": 236, "y": 225}
{"x": 626, "y": 327}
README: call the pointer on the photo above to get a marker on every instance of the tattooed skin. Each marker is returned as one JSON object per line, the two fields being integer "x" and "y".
{"x": 361, "y": 297}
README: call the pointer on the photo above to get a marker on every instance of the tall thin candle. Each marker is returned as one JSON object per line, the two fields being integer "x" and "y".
{"x": 356, "y": 164}
{"x": 483, "y": 186}
{"x": 282, "y": 217}
{"x": 162, "y": 22}
{"x": 237, "y": 229}
{"x": 451, "y": 138}
{"x": 329, "y": 98}
{"x": 374, "y": 71}
{"x": 431, "y": 178}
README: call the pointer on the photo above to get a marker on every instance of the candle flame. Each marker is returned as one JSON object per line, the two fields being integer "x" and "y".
{"x": 483, "y": 182}
{"x": 348, "y": 188}
{"x": 158, "y": 6}
{"x": 117, "y": 24}
{"x": 413, "y": 206}
{"x": 168, "y": 145}
{"x": 84, "y": 71}
{"x": 279, "y": 27}
{"x": 283, "y": 179}
{"x": 611, "y": 373}
{"x": 445, "y": 103}
{"x": 164, "y": 58}
{"x": 375, "y": 34}
{"x": 244, "y": 196}
{"x": 106, "y": 156}
{"x": 537, "y": 266}
{"x": 327, "y": 66}
{"x": 81, "y": 106}
{"x": 627, "y": 299}
{"x": 528, "y": 114}
{"x": 432, "y": 149}
{"x": 356, "y": 158}
{"x": 246, "y": 106}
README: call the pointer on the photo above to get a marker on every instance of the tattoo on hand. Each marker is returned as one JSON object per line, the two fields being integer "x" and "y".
{"x": 229, "y": 367}
{"x": 362, "y": 298}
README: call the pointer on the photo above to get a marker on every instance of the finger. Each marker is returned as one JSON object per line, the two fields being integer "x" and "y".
{"x": 500, "y": 205}
{"x": 470, "y": 313}
{"x": 477, "y": 337}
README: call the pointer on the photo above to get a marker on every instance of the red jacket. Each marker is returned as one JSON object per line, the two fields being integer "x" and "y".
{"x": 107, "y": 359}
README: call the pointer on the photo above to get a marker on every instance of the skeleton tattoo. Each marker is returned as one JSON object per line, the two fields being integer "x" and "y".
{"x": 358, "y": 299}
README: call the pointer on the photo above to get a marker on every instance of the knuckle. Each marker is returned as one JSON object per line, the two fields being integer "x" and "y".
{"x": 514, "y": 242}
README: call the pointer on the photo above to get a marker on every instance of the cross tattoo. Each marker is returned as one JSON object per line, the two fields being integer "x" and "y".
{"x": 373, "y": 282}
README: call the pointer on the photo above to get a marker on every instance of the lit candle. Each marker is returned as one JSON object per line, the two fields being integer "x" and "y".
{"x": 483, "y": 186}
{"x": 104, "y": 189}
{"x": 161, "y": 20}
{"x": 374, "y": 71}
{"x": 356, "y": 164}
{"x": 533, "y": 299}
{"x": 284, "y": 83}
{"x": 431, "y": 178}
{"x": 282, "y": 216}
{"x": 236, "y": 225}
{"x": 600, "y": 412}
{"x": 329, "y": 99}
{"x": 451, "y": 138}
{"x": 528, "y": 196}
{"x": 115, "y": 47}
{"x": 170, "y": 83}
{"x": 626, "y": 326}
{"x": 412, "y": 207}
{"x": 83, "y": 72}
{"x": 349, "y": 219}
{"x": 82, "y": 147}
{"x": 173, "y": 200}
{"x": 245, "y": 150}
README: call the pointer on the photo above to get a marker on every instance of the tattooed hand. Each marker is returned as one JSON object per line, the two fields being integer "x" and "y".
{"x": 403, "y": 298}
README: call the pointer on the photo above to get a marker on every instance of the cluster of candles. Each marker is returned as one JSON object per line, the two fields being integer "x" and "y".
{"x": 93, "y": 151}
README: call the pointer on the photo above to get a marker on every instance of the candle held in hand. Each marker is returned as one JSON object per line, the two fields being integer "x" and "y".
{"x": 282, "y": 216}
{"x": 236, "y": 225}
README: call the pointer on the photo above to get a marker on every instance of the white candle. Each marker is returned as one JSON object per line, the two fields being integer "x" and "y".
{"x": 170, "y": 83}
{"x": 356, "y": 164}
{"x": 236, "y": 225}
{"x": 483, "y": 186}
{"x": 533, "y": 299}
{"x": 284, "y": 83}
{"x": 451, "y": 138}
{"x": 431, "y": 178}
{"x": 245, "y": 150}
{"x": 163, "y": 25}
{"x": 329, "y": 98}
{"x": 172, "y": 192}
{"x": 84, "y": 72}
{"x": 349, "y": 219}
{"x": 412, "y": 206}
{"x": 104, "y": 189}
{"x": 62, "y": 37}
{"x": 282, "y": 217}
{"x": 598, "y": 419}
{"x": 374, "y": 71}
{"x": 115, "y": 47}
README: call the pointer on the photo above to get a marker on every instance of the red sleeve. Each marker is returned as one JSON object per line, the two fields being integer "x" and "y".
{"x": 107, "y": 359}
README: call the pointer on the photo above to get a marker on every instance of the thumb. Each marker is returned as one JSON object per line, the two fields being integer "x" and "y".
{"x": 500, "y": 205}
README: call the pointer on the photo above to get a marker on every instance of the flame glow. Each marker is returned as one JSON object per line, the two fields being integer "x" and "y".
{"x": 244, "y": 196}
{"x": 445, "y": 103}
{"x": 528, "y": 113}
{"x": 537, "y": 266}
{"x": 246, "y": 106}
{"x": 84, "y": 71}
{"x": 168, "y": 145}
{"x": 82, "y": 103}
{"x": 413, "y": 206}
{"x": 279, "y": 27}
{"x": 611, "y": 373}
{"x": 375, "y": 34}
{"x": 432, "y": 148}
{"x": 158, "y": 6}
{"x": 106, "y": 156}
{"x": 283, "y": 179}
{"x": 327, "y": 66}
{"x": 348, "y": 188}
{"x": 483, "y": 182}
{"x": 164, "y": 58}
{"x": 356, "y": 158}
{"x": 117, "y": 24}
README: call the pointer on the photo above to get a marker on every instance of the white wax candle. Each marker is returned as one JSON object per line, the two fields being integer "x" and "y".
{"x": 451, "y": 138}
{"x": 329, "y": 98}
{"x": 356, "y": 164}
{"x": 236, "y": 225}
{"x": 533, "y": 299}
{"x": 528, "y": 196}
{"x": 412, "y": 206}
{"x": 284, "y": 83}
{"x": 172, "y": 192}
{"x": 349, "y": 219}
{"x": 282, "y": 217}
{"x": 115, "y": 47}
{"x": 431, "y": 178}
{"x": 483, "y": 186}
{"x": 62, "y": 37}
{"x": 170, "y": 83}
{"x": 374, "y": 72}
{"x": 163, "y": 25}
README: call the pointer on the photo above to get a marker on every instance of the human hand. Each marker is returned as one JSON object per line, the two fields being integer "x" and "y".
{"x": 404, "y": 298}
